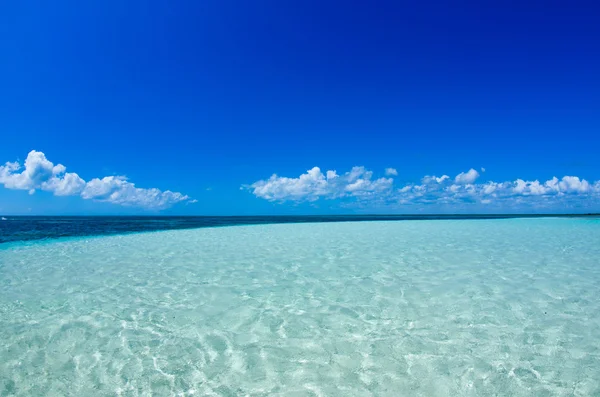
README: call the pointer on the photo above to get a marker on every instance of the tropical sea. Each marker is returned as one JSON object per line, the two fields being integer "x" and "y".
{"x": 300, "y": 306}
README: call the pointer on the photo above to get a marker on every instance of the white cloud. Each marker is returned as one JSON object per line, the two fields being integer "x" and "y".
{"x": 505, "y": 194}
{"x": 67, "y": 185}
{"x": 567, "y": 185}
{"x": 427, "y": 179}
{"x": 309, "y": 186}
{"x": 36, "y": 171}
{"x": 467, "y": 177}
{"x": 391, "y": 172}
{"x": 117, "y": 190}
{"x": 40, "y": 173}
{"x": 572, "y": 184}
{"x": 359, "y": 184}
{"x": 312, "y": 185}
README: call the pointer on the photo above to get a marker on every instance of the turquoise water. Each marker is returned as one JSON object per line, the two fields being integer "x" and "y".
{"x": 416, "y": 308}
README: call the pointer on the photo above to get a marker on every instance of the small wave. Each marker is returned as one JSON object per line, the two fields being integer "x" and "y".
{"x": 4, "y": 219}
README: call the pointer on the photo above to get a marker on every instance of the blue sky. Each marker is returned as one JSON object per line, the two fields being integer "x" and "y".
{"x": 209, "y": 99}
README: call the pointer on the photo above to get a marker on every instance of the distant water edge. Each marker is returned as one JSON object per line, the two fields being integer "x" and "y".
{"x": 30, "y": 228}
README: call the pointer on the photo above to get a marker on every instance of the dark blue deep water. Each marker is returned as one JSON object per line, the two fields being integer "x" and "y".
{"x": 25, "y": 228}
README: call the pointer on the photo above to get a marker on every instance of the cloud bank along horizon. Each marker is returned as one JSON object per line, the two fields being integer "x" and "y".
{"x": 357, "y": 186}
{"x": 38, "y": 173}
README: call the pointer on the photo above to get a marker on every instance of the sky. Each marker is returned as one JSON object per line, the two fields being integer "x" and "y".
{"x": 299, "y": 107}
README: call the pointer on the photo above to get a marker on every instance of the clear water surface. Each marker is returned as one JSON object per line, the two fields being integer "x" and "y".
{"x": 494, "y": 307}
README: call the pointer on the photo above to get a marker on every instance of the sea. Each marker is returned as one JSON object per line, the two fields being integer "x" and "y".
{"x": 491, "y": 305}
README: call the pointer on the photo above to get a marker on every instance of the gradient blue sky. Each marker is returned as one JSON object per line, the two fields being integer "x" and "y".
{"x": 204, "y": 97}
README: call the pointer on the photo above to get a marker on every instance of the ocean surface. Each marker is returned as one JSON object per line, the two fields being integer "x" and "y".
{"x": 26, "y": 228}
{"x": 452, "y": 307}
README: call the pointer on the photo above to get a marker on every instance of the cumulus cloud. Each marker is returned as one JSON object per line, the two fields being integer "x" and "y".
{"x": 467, "y": 177}
{"x": 66, "y": 185}
{"x": 40, "y": 173}
{"x": 314, "y": 184}
{"x": 361, "y": 185}
{"x": 391, "y": 172}
{"x": 568, "y": 184}
{"x": 427, "y": 179}
{"x": 36, "y": 171}
{"x": 118, "y": 190}
{"x": 463, "y": 190}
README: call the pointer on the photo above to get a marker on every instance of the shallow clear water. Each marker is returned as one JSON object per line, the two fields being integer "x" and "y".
{"x": 419, "y": 308}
